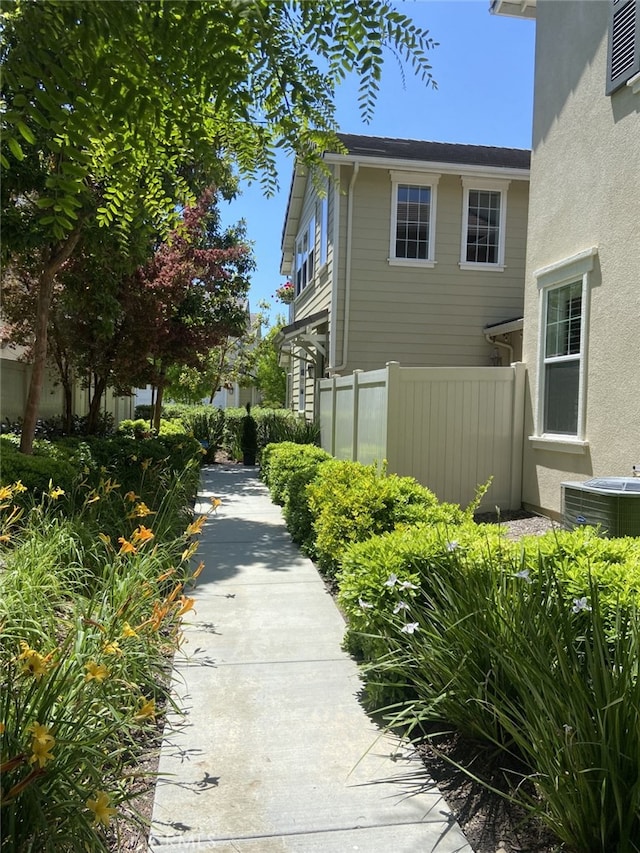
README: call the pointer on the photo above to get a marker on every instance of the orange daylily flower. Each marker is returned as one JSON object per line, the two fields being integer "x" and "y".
{"x": 195, "y": 528}
{"x": 141, "y": 534}
{"x": 125, "y": 546}
{"x": 198, "y": 571}
{"x": 185, "y": 605}
{"x": 165, "y": 575}
{"x": 175, "y": 592}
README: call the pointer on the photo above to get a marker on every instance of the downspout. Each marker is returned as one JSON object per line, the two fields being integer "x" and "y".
{"x": 347, "y": 278}
{"x": 492, "y": 340}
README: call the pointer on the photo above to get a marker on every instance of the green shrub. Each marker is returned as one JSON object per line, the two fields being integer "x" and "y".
{"x": 281, "y": 461}
{"x": 37, "y": 472}
{"x": 351, "y": 502}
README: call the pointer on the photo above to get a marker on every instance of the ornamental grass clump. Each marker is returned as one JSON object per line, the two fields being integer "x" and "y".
{"x": 89, "y": 621}
{"x": 489, "y": 638}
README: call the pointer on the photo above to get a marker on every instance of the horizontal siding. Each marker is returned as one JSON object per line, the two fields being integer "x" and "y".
{"x": 422, "y": 315}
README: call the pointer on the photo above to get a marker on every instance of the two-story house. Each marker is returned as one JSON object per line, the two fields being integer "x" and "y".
{"x": 582, "y": 294}
{"x": 412, "y": 251}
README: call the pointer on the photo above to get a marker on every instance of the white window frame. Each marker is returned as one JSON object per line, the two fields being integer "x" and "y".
{"x": 413, "y": 179}
{"x": 576, "y": 268}
{"x": 305, "y": 251}
{"x": 324, "y": 227}
{"x": 486, "y": 185}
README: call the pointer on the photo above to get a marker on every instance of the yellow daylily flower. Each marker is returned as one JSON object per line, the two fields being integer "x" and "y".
{"x": 112, "y": 648}
{"x": 127, "y": 631}
{"x": 42, "y": 742}
{"x": 6, "y": 493}
{"x": 56, "y": 493}
{"x": 216, "y": 502}
{"x": 147, "y": 710}
{"x": 32, "y": 661}
{"x": 189, "y": 552}
{"x": 140, "y": 510}
{"x": 19, "y": 487}
{"x": 97, "y": 671}
{"x": 101, "y": 809}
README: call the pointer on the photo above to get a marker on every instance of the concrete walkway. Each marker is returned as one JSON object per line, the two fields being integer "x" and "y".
{"x": 274, "y": 753}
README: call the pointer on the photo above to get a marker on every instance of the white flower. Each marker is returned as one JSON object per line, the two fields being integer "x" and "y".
{"x": 524, "y": 575}
{"x": 364, "y": 604}
{"x": 392, "y": 580}
{"x": 408, "y": 585}
{"x": 580, "y": 604}
{"x": 451, "y": 546}
{"x": 401, "y": 605}
{"x": 410, "y": 628}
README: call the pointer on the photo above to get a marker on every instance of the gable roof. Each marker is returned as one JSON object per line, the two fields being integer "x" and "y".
{"x": 435, "y": 152}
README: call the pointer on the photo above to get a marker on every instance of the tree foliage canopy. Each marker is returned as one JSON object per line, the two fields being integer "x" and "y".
{"x": 146, "y": 100}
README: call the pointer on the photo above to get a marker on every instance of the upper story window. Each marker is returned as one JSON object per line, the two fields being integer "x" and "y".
{"x": 305, "y": 255}
{"x": 324, "y": 225}
{"x": 483, "y": 222}
{"x": 623, "y": 58}
{"x": 561, "y": 403}
{"x": 413, "y": 218}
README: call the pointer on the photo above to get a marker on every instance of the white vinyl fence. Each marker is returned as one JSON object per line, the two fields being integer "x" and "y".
{"x": 449, "y": 427}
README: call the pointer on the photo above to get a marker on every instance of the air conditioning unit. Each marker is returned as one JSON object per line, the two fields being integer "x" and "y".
{"x": 610, "y": 503}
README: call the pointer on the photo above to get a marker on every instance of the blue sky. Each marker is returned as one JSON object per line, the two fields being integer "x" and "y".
{"x": 484, "y": 70}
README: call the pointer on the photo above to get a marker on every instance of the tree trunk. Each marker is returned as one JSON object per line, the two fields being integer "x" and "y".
{"x": 99, "y": 387}
{"x": 157, "y": 411}
{"x": 45, "y": 292}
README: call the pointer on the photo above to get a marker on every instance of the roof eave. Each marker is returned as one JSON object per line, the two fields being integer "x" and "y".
{"x": 475, "y": 170}
{"x": 514, "y": 8}
{"x": 292, "y": 217}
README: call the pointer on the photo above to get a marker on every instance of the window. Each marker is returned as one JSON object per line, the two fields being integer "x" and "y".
{"x": 561, "y": 404}
{"x": 305, "y": 251}
{"x": 324, "y": 226}
{"x": 413, "y": 218}
{"x": 483, "y": 222}
{"x": 623, "y": 59}
{"x": 563, "y": 338}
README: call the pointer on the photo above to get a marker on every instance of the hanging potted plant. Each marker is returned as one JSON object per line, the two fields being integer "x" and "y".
{"x": 286, "y": 293}
{"x": 249, "y": 438}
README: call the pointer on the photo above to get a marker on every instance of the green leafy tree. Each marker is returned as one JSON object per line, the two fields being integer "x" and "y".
{"x": 231, "y": 361}
{"x": 270, "y": 378}
{"x": 120, "y": 112}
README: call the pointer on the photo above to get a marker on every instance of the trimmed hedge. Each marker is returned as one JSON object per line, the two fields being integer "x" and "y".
{"x": 351, "y": 502}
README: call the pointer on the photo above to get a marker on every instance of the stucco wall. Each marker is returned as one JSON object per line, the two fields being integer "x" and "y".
{"x": 585, "y": 192}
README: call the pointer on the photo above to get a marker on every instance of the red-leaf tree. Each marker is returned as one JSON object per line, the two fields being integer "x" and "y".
{"x": 186, "y": 299}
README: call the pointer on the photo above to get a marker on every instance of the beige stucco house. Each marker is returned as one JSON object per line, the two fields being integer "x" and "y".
{"x": 411, "y": 251}
{"x": 582, "y": 296}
